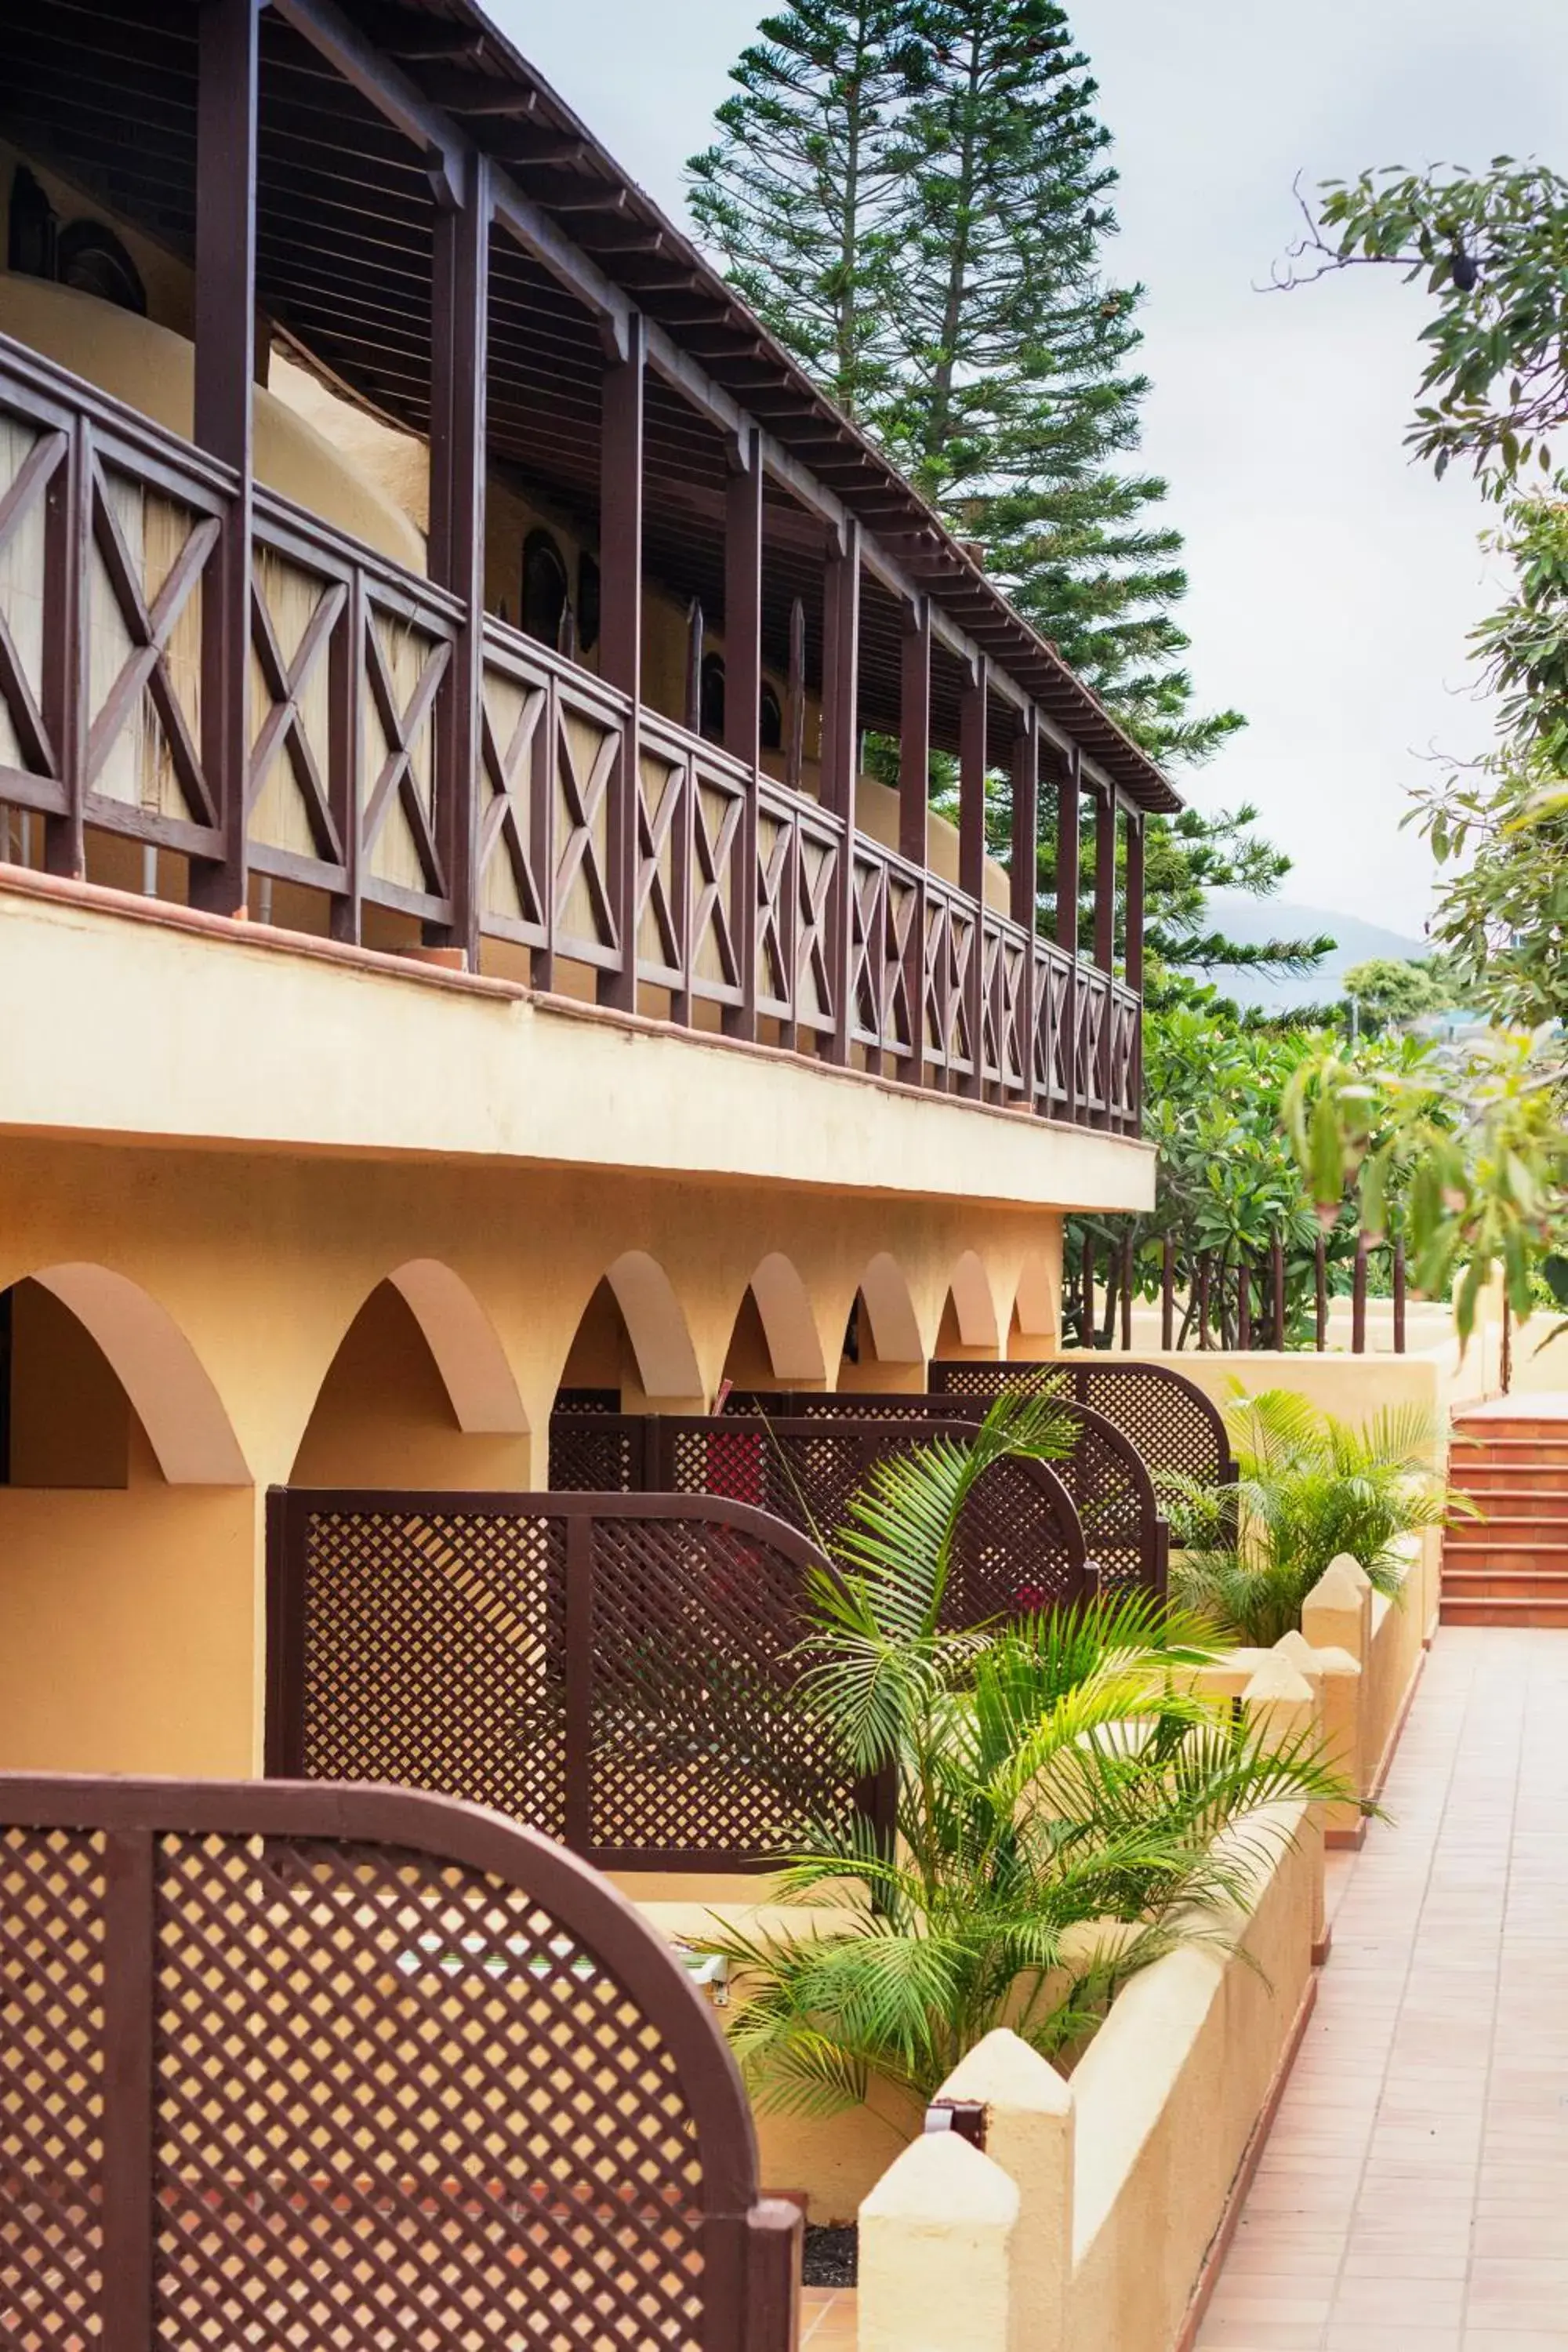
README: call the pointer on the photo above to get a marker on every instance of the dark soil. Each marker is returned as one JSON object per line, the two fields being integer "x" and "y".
{"x": 832, "y": 2257}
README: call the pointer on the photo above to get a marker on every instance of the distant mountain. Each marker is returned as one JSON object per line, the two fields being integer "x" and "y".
{"x": 1254, "y": 921}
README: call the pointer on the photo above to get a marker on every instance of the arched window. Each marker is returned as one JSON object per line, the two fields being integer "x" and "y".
{"x": 770, "y": 720}
{"x": 92, "y": 259}
{"x": 712, "y": 700}
{"x": 588, "y": 603}
{"x": 544, "y": 588}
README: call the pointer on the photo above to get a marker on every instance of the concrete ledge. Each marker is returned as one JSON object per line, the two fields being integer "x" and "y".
{"x": 163, "y": 1023}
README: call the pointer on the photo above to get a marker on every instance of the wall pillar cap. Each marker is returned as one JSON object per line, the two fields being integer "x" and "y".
{"x": 1298, "y": 1651}
{"x": 941, "y": 2181}
{"x": 1002, "y": 2071}
{"x": 1345, "y": 1566}
{"x": 1277, "y": 1681}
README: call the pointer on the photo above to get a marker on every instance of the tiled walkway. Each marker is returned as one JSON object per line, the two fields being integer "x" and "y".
{"x": 827, "y": 2320}
{"x": 1414, "y": 2194}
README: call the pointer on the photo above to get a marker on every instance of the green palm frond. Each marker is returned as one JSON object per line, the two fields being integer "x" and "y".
{"x": 1060, "y": 1795}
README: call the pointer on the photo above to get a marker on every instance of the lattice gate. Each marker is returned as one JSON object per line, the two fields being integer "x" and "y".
{"x": 1019, "y": 1545}
{"x": 619, "y": 1674}
{"x": 1170, "y": 1419}
{"x": 356, "y": 2071}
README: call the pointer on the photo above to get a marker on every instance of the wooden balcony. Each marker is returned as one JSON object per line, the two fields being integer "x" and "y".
{"x": 583, "y": 832}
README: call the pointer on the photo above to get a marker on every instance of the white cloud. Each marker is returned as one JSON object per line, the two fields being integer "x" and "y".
{"x": 1332, "y": 583}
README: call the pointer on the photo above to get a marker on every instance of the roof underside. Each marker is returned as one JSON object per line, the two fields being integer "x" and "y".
{"x": 104, "y": 91}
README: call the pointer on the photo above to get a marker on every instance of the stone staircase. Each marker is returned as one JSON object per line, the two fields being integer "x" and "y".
{"x": 1510, "y": 1566}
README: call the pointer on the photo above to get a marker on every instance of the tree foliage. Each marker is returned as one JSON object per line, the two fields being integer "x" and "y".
{"x": 1491, "y": 248}
{"x": 1391, "y": 991}
{"x": 801, "y": 189}
{"x": 917, "y": 197}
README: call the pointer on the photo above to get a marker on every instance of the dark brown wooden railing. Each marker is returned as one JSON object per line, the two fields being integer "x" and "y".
{"x": 695, "y": 881}
{"x": 341, "y": 2066}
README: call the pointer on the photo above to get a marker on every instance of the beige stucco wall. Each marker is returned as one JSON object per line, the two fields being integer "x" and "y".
{"x": 144, "y": 1022}
{"x": 233, "y": 1139}
{"x": 1165, "y": 2099}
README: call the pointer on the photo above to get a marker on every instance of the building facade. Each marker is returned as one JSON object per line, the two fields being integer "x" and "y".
{"x": 471, "y": 918}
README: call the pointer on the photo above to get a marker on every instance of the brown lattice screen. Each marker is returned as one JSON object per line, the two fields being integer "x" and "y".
{"x": 1020, "y": 1544}
{"x": 619, "y": 1675}
{"x": 1123, "y": 1528}
{"x": 343, "y": 2068}
{"x": 1168, "y": 1418}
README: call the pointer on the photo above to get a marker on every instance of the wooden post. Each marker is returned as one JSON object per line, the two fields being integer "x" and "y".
{"x": 228, "y": 79}
{"x": 1088, "y": 1263}
{"x": 1399, "y": 1296}
{"x": 1105, "y": 931}
{"x": 1070, "y": 811}
{"x": 1505, "y": 1370}
{"x": 620, "y": 629}
{"x": 460, "y": 311}
{"x": 1132, "y": 957}
{"x": 914, "y": 733}
{"x": 1320, "y": 1290}
{"x": 1204, "y": 1300}
{"x": 1022, "y": 884}
{"x": 743, "y": 702}
{"x": 696, "y": 633}
{"x": 972, "y": 852}
{"x": 1105, "y": 882}
{"x": 795, "y": 722}
{"x": 1127, "y": 1254}
{"x": 1358, "y": 1298}
{"x": 1132, "y": 948}
{"x": 840, "y": 760}
{"x": 1277, "y": 1287}
{"x": 1243, "y": 1305}
{"x": 1168, "y": 1294}
{"x": 914, "y": 797}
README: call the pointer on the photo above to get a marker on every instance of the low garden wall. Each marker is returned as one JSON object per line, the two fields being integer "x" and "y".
{"x": 1098, "y": 2210}
{"x": 1087, "y": 2221}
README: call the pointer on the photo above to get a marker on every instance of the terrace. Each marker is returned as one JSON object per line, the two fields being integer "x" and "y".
{"x": 408, "y": 543}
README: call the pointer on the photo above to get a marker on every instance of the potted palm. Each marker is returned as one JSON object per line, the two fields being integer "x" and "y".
{"x": 1060, "y": 1794}
{"x": 1307, "y": 1488}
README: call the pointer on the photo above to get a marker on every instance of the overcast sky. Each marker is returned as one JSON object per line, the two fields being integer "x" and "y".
{"x": 1332, "y": 583}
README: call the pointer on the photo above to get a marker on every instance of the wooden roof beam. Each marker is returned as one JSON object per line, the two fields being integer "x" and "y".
{"x": 396, "y": 96}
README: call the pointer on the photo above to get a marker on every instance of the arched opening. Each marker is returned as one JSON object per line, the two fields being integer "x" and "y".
{"x": 775, "y": 1343}
{"x": 632, "y": 1338}
{"x": 969, "y": 1324}
{"x": 1034, "y": 1329}
{"x": 419, "y": 1393}
{"x": 882, "y": 1346}
{"x": 544, "y": 588}
{"x": 631, "y": 1352}
{"x": 128, "y": 1538}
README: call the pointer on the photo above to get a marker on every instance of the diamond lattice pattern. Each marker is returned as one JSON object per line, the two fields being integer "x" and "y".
{"x": 51, "y": 2087}
{"x": 398, "y": 2105}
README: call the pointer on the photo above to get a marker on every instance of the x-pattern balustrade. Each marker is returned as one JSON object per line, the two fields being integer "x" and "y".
{"x": 596, "y": 833}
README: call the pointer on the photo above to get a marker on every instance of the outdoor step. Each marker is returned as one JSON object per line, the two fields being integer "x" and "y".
{"x": 1517, "y": 1529}
{"x": 1509, "y": 1584}
{"x": 1501, "y": 1444}
{"x": 1455, "y": 1611}
{"x": 1546, "y": 1506}
{"x": 1515, "y": 1557}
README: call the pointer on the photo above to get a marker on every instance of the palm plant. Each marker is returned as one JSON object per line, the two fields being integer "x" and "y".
{"x": 1060, "y": 1799}
{"x": 1309, "y": 1487}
